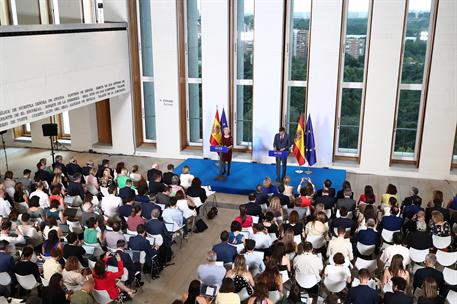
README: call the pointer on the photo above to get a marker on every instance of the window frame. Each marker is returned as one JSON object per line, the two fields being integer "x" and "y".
{"x": 143, "y": 79}
{"x": 415, "y": 160}
{"x": 341, "y": 84}
{"x": 233, "y": 81}
{"x": 286, "y": 83}
{"x": 21, "y": 131}
{"x": 454, "y": 156}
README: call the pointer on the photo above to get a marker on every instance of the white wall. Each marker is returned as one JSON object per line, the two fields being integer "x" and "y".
{"x": 215, "y": 65}
{"x": 323, "y": 75}
{"x": 268, "y": 32}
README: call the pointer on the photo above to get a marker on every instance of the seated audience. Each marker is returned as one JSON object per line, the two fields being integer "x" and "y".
{"x": 342, "y": 221}
{"x": 73, "y": 273}
{"x": 395, "y": 269}
{"x": 396, "y": 248}
{"x": 261, "y": 237}
{"x": 113, "y": 236}
{"x": 167, "y": 176}
{"x": 140, "y": 243}
{"x": 127, "y": 191}
{"x": 185, "y": 177}
{"x": 84, "y": 296}
{"x": 252, "y": 207}
{"x": 135, "y": 219}
{"x": 193, "y": 294}
{"x": 429, "y": 271}
{"x": 368, "y": 236}
{"x": 308, "y": 264}
{"x": 253, "y": 261}
{"x": 131, "y": 267}
{"x": 225, "y": 252}
{"x": 111, "y": 203}
{"x": 430, "y": 290}
{"x": 52, "y": 265}
{"x": 391, "y": 222}
{"x": 368, "y": 196}
{"x": 53, "y": 242}
{"x": 227, "y": 293}
{"x": 363, "y": 294}
{"x": 436, "y": 205}
{"x": 398, "y": 296}
{"x": 241, "y": 276}
{"x": 340, "y": 245}
{"x": 284, "y": 199}
{"x": 55, "y": 293}
{"x": 420, "y": 238}
{"x": 391, "y": 191}
{"x": 210, "y": 273}
{"x": 439, "y": 226}
{"x": 73, "y": 248}
{"x": 244, "y": 219}
{"x": 235, "y": 236}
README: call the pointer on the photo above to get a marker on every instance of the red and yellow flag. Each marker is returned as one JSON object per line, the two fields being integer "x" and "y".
{"x": 299, "y": 142}
{"x": 216, "y": 133}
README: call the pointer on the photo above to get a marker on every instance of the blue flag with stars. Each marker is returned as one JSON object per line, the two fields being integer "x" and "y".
{"x": 224, "y": 123}
{"x": 310, "y": 146}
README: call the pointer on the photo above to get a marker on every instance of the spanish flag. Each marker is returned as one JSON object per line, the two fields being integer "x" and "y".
{"x": 216, "y": 134}
{"x": 299, "y": 142}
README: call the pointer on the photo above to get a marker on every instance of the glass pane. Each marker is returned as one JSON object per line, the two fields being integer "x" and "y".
{"x": 300, "y": 12}
{"x": 70, "y": 11}
{"x": 195, "y": 112}
{"x": 355, "y": 40}
{"x": 66, "y": 123}
{"x": 149, "y": 110}
{"x": 146, "y": 37}
{"x": 416, "y": 39}
{"x": 244, "y": 38}
{"x": 28, "y": 12}
{"x": 350, "y": 120}
{"x": 244, "y": 114}
{"x": 194, "y": 56}
{"x": 407, "y": 121}
{"x": 295, "y": 106}
{"x": 28, "y": 127}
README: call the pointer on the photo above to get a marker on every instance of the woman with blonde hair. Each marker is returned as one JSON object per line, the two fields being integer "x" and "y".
{"x": 72, "y": 272}
{"x": 92, "y": 182}
{"x": 106, "y": 180}
{"x": 430, "y": 289}
{"x": 290, "y": 246}
{"x": 240, "y": 275}
{"x": 276, "y": 208}
{"x": 439, "y": 226}
{"x": 288, "y": 189}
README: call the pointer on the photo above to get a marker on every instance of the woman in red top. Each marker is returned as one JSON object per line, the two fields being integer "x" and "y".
{"x": 368, "y": 196}
{"x": 109, "y": 281}
{"x": 244, "y": 219}
{"x": 227, "y": 141}
{"x": 56, "y": 194}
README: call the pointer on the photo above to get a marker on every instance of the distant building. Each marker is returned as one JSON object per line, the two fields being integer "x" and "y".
{"x": 355, "y": 45}
{"x": 299, "y": 43}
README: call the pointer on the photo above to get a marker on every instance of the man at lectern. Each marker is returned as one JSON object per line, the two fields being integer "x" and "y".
{"x": 281, "y": 143}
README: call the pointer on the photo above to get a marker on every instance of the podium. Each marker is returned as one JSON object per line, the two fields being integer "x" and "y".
{"x": 219, "y": 150}
{"x": 276, "y": 153}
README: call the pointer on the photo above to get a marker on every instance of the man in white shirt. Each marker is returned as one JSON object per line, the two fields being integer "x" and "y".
{"x": 396, "y": 248}
{"x": 44, "y": 198}
{"x": 210, "y": 273}
{"x": 111, "y": 203}
{"x": 172, "y": 214}
{"x": 12, "y": 240}
{"x": 306, "y": 264}
{"x": 262, "y": 238}
{"x": 340, "y": 244}
{"x": 253, "y": 260}
{"x": 5, "y": 207}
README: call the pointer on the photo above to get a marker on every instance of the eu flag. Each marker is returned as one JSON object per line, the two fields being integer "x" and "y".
{"x": 224, "y": 123}
{"x": 310, "y": 146}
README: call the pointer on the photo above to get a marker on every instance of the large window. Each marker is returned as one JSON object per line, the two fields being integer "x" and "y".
{"x": 193, "y": 72}
{"x": 243, "y": 71}
{"x": 296, "y": 61}
{"x": 63, "y": 125}
{"x": 352, "y": 78}
{"x": 23, "y": 132}
{"x": 146, "y": 71}
{"x": 414, "y": 69}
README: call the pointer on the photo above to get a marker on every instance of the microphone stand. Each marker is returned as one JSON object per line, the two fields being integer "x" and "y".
{"x": 4, "y": 151}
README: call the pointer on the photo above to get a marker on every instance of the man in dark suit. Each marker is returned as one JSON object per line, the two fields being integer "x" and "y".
{"x": 155, "y": 227}
{"x": 154, "y": 172}
{"x": 72, "y": 248}
{"x": 146, "y": 208}
{"x": 252, "y": 208}
{"x": 73, "y": 167}
{"x": 284, "y": 199}
{"x": 368, "y": 236}
{"x": 225, "y": 252}
{"x": 326, "y": 199}
{"x": 6, "y": 260}
{"x": 363, "y": 294}
{"x": 42, "y": 173}
{"x": 347, "y": 202}
{"x": 140, "y": 243}
{"x": 429, "y": 271}
{"x": 398, "y": 296}
{"x": 167, "y": 176}
{"x": 126, "y": 260}
{"x": 86, "y": 169}
{"x": 59, "y": 164}
{"x": 126, "y": 209}
{"x": 75, "y": 188}
{"x": 260, "y": 197}
{"x": 327, "y": 186}
{"x": 436, "y": 205}
{"x": 391, "y": 222}
{"x": 343, "y": 220}
{"x": 155, "y": 185}
{"x": 281, "y": 142}
{"x": 102, "y": 167}
{"x": 126, "y": 191}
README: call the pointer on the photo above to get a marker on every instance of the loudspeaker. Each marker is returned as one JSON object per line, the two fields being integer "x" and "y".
{"x": 49, "y": 129}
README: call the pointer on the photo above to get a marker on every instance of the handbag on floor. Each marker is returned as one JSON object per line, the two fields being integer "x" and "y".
{"x": 200, "y": 226}
{"x": 212, "y": 213}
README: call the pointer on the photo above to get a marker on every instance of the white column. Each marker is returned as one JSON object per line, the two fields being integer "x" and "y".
{"x": 441, "y": 112}
{"x": 83, "y": 126}
{"x": 382, "y": 81}
{"x": 215, "y": 73}
{"x": 268, "y": 45}
{"x": 323, "y": 74}
{"x": 166, "y": 87}
{"x": 121, "y": 111}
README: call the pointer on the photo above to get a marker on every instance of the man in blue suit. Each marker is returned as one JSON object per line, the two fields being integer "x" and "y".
{"x": 391, "y": 222}
{"x": 225, "y": 252}
{"x": 6, "y": 260}
{"x": 281, "y": 142}
{"x": 155, "y": 227}
{"x": 140, "y": 243}
{"x": 368, "y": 236}
{"x": 126, "y": 191}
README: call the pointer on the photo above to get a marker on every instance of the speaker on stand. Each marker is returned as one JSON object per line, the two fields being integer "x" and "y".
{"x": 50, "y": 130}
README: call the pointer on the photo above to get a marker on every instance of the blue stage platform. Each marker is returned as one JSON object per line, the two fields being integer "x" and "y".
{"x": 245, "y": 176}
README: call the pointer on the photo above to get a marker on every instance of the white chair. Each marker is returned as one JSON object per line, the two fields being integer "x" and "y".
{"x": 158, "y": 239}
{"x": 104, "y": 191}
{"x": 131, "y": 232}
{"x": 451, "y": 297}
{"x": 89, "y": 249}
{"x": 365, "y": 249}
{"x": 75, "y": 227}
{"x": 5, "y": 279}
{"x": 125, "y": 275}
{"x": 418, "y": 256}
{"x": 387, "y": 235}
{"x": 274, "y": 296}
{"x": 45, "y": 282}
{"x": 334, "y": 286}
{"x": 450, "y": 276}
{"x": 101, "y": 296}
{"x": 246, "y": 233}
{"x": 243, "y": 294}
{"x": 306, "y": 280}
{"x": 328, "y": 213}
{"x": 91, "y": 264}
{"x": 238, "y": 247}
{"x": 127, "y": 237}
{"x": 255, "y": 219}
{"x": 349, "y": 216}
{"x": 371, "y": 265}
{"x": 27, "y": 282}
{"x": 297, "y": 239}
{"x": 371, "y": 283}
{"x": 441, "y": 242}
{"x": 446, "y": 258}
{"x": 316, "y": 241}
{"x": 273, "y": 236}
{"x": 387, "y": 288}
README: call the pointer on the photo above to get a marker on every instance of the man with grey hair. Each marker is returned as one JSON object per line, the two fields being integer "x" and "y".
{"x": 210, "y": 273}
{"x": 429, "y": 271}
{"x": 369, "y": 236}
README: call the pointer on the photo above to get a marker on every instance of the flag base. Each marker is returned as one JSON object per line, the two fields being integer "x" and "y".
{"x": 308, "y": 172}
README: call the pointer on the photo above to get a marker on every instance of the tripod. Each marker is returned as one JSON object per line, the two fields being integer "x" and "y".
{"x": 4, "y": 150}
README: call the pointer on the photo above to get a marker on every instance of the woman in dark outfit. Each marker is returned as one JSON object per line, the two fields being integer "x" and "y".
{"x": 227, "y": 141}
